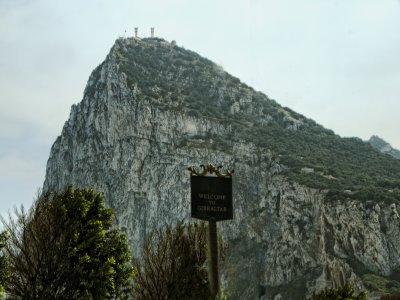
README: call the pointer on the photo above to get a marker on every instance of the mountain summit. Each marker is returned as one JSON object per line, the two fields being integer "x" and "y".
{"x": 311, "y": 209}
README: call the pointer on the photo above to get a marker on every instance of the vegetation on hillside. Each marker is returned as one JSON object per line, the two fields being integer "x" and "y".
{"x": 343, "y": 293}
{"x": 381, "y": 285}
{"x": 173, "y": 78}
{"x": 391, "y": 297}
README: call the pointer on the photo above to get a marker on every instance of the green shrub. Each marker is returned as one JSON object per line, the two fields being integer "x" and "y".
{"x": 381, "y": 284}
{"x": 391, "y": 297}
{"x": 344, "y": 293}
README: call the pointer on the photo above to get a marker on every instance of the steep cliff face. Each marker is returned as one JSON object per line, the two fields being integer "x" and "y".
{"x": 143, "y": 121}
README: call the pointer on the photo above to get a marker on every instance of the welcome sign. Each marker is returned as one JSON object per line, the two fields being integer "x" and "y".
{"x": 211, "y": 198}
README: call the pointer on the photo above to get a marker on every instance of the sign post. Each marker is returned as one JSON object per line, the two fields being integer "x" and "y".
{"x": 211, "y": 200}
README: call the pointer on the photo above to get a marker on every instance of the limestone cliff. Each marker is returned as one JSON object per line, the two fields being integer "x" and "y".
{"x": 152, "y": 109}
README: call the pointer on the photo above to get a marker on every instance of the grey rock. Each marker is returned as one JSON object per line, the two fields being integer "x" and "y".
{"x": 284, "y": 236}
{"x": 383, "y": 146}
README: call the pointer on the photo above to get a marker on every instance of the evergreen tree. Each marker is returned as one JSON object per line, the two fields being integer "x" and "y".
{"x": 65, "y": 248}
{"x": 4, "y": 268}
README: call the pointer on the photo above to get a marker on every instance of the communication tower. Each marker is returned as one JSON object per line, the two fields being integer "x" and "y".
{"x": 136, "y": 32}
{"x": 152, "y": 31}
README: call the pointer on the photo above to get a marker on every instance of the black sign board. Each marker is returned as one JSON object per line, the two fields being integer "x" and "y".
{"x": 211, "y": 198}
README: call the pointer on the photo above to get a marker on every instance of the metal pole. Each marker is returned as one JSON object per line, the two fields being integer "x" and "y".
{"x": 213, "y": 257}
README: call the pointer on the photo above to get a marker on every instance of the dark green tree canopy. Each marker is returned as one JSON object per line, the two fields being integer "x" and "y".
{"x": 65, "y": 248}
{"x": 4, "y": 268}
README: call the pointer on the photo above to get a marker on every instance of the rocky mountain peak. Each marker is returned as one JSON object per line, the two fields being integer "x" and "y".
{"x": 152, "y": 109}
{"x": 383, "y": 146}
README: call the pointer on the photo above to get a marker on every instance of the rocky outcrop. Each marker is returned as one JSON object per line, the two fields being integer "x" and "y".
{"x": 286, "y": 240}
{"x": 383, "y": 146}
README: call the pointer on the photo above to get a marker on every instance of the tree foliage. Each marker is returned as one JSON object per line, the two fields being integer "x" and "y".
{"x": 4, "y": 265}
{"x": 172, "y": 265}
{"x": 391, "y": 297}
{"x": 343, "y": 293}
{"x": 64, "y": 247}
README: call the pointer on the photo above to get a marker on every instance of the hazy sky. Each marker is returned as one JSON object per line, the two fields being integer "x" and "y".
{"x": 337, "y": 62}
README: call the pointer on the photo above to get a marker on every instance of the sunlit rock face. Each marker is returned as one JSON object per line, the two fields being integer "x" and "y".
{"x": 152, "y": 109}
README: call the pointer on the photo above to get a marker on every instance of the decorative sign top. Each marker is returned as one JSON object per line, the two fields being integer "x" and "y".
{"x": 211, "y": 197}
{"x": 211, "y": 170}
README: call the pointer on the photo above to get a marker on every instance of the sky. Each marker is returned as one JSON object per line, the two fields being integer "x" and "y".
{"x": 334, "y": 61}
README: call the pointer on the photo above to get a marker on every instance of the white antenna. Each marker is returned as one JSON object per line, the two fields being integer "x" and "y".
{"x": 152, "y": 31}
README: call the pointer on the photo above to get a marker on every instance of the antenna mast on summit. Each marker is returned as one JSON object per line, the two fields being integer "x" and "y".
{"x": 152, "y": 31}
{"x": 136, "y": 32}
